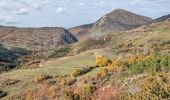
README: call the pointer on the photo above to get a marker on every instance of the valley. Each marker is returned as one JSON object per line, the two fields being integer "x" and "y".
{"x": 122, "y": 56}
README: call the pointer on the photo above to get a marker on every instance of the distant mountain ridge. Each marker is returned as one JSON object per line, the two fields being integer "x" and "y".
{"x": 117, "y": 20}
{"x": 161, "y": 18}
{"x": 35, "y": 38}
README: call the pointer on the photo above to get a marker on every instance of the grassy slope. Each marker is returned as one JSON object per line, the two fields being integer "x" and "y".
{"x": 54, "y": 67}
{"x": 65, "y": 65}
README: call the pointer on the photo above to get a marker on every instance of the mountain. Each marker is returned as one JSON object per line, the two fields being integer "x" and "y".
{"x": 118, "y": 20}
{"x": 149, "y": 35}
{"x": 115, "y": 21}
{"x": 161, "y": 18}
{"x": 35, "y": 38}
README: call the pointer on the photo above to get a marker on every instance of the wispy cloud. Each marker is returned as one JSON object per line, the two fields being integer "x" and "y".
{"x": 64, "y": 12}
{"x": 21, "y": 11}
{"x": 5, "y": 18}
{"x": 8, "y": 20}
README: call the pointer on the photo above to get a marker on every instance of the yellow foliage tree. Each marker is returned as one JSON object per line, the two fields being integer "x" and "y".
{"x": 116, "y": 65}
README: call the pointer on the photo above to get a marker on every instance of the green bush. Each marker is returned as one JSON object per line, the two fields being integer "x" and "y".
{"x": 156, "y": 64}
{"x": 60, "y": 52}
{"x": 89, "y": 89}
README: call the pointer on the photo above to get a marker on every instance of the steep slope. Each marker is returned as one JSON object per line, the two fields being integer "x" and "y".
{"x": 35, "y": 38}
{"x": 81, "y": 32}
{"x": 118, "y": 20}
{"x": 9, "y": 56}
{"x": 144, "y": 37}
{"x": 115, "y": 21}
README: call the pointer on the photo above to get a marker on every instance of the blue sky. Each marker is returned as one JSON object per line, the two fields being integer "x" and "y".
{"x": 69, "y": 13}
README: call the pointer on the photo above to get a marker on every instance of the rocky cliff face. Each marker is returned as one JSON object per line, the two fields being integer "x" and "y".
{"x": 35, "y": 38}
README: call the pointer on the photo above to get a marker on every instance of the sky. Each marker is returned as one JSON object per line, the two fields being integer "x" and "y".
{"x": 70, "y": 13}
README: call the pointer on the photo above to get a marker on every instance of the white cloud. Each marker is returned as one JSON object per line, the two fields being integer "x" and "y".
{"x": 60, "y": 10}
{"x": 81, "y": 4}
{"x": 21, "y": 11}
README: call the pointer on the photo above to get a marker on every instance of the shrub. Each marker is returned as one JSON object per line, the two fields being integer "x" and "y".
{"x": 76, "y": 73}
{"x": 155, "y": 64}
{"x": 165, "y": 42}
{"x": 71, "y": 81}
{"x": 63, "y": 82}
{"x": 102, "y": 61}
{"x": 154, "y": 87}
{"x": 29, "y": 96}
{"x": 116, "y": 65}
{"x": 2, "y": 94}
{"x": 139, "y": 57}
{"x": 60, "y": 52}
{"x": 52, "y": 91}
{"x": 10, "y": 82}
{"x": 41, "y": 78}
{"x": 89, "y": 89}
{"x": 84, "y": 91}
{"x": 81, "y": 71}
{"x": 104, "y": 72}
{"x": 70, "y": 95}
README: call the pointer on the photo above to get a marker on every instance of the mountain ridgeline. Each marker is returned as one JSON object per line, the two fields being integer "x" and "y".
{"x": 52, "y": 37}
{"x": 45, "y": 38}
{"x": 115, "y": 21}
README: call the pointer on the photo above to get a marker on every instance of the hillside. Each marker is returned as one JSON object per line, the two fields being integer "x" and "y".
{"x": 9, "y": 56}
{"x": 144, "y": 37}
{"x": 163, "y": 18}
{"x": 35, "y": 38}
{"x": 81, "y": 32}
{"x": 115, "y": 21}
{"x": 116, "y": 66}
